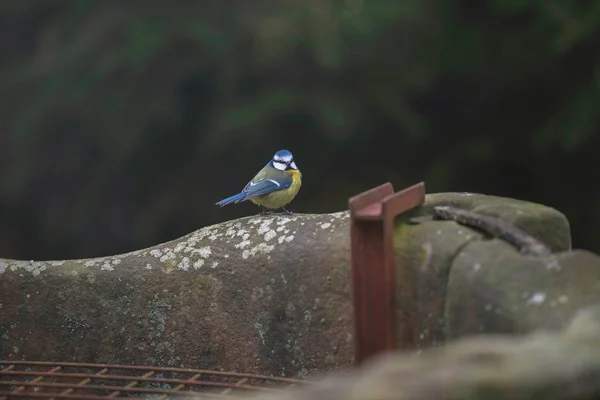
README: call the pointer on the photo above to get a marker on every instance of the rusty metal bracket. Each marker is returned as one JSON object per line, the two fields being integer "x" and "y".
{"x": 372, "y": 216}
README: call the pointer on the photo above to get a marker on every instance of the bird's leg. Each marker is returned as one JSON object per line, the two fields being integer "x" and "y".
{"x": 288, "y": 212}
{"x": 265, "y": 211}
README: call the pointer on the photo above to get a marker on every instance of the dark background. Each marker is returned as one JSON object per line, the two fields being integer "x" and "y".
{"x": 122, "y": 122}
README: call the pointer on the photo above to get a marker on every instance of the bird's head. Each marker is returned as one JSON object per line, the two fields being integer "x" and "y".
{"x": 283, "y": 160}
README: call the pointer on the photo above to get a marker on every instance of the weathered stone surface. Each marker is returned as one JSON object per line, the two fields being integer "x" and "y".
{"x": 429, "y": 248}
{"x": 542, "y": 222}
{"x": 260, "y": 294}
{"x": 493, "y": 288}
{"x": 265, "y": 294}
{"x": 543, "y": 365}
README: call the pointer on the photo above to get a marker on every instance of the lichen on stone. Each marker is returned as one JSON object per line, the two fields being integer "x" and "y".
{"x": 537, "y": 298}
{"x": 33, "y": 267}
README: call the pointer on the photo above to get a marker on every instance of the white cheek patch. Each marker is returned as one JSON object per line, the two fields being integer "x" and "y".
{"x": 293, "y": 165}
{"x": 286, "y": 159}
{"x": 279, "y": 165}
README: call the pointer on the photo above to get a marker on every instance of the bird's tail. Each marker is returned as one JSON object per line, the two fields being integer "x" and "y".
{"x": 236, "y": 198}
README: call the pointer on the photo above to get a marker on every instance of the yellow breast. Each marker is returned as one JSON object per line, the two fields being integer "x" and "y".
{"x": 296, "y": 177}
{"x": 281, "y": 198}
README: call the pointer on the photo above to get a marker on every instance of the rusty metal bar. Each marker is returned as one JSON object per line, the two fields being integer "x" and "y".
{"x": 9, "y": 368}
{"x": 141, "y": 378}
{"x": 131, "y": 392}
{"x": 81, "y": 383}
{"x": 144, "y": 368}
{"x": 372, "y": 216}
{"x": 238, "y": 383}
{"x": 24, "y": 379}
{"x": 34, "y": 395}
{"x": 118, "y": 389}
{"x": 182, "y": 385}
{"x": 131, "y": 385}
{"x": 36, "y": 380}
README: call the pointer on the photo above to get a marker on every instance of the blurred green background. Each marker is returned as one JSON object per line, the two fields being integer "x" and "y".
{"x": 122, "y": 122}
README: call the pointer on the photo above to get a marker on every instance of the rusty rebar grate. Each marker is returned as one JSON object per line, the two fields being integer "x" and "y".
{"x": 56, "y": 380}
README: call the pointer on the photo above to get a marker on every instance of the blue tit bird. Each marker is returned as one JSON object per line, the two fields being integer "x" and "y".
{"x": 274, "y": 187}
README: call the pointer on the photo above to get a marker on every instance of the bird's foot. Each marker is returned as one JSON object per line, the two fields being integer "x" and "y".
{"x": 266, "y": 212}
{"x": 286, "y": 211}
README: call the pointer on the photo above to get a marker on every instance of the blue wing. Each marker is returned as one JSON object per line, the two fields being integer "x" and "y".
{"x": 259, "y": 188}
